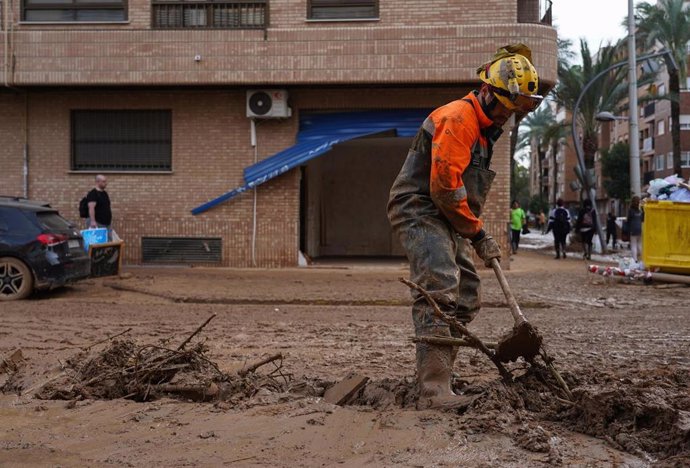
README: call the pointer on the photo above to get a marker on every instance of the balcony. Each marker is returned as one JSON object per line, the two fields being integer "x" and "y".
{"x": 648, "y": 145}
{"x": 249, "y": 14}
{"x": 535, "y": 11}
{"x": 648, "y": 110}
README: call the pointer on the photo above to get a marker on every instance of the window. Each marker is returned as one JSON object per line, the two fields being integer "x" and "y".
{"x": 661, "y": 89}
{"x": 661, "y": 127}
{"x": 67, "y": 11}
{"x": 669, "y": 161}
{"x": 342, "y": 9}
{"x": 659, "y": 159}
{"x": 210, "y": 14}
{"x": 685, "y": 159}
{"x": 121, "y": 140}
{"x": 685, "y": 122}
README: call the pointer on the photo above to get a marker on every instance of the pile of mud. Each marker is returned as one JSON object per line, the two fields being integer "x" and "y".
{"x": 648, "y": 417}
{"x": 148, "y": 372}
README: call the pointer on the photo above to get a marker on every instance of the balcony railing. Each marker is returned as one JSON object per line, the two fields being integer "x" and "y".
{"x": 535, "y": 11}
{"x": 249, "y": 14}
{"x": 648, "y": 145}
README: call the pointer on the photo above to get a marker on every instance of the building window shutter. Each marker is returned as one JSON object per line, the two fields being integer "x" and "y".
{"x": 342, "y": 9}
{"x": 122, "y": 140}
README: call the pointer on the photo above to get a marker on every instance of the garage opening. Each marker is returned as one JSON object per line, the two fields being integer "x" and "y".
{"x": 344, "y": 197}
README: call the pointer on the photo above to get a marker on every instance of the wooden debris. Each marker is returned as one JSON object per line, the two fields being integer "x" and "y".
{"x": 201, "y": 327}
{"x": 340, "y": 393}
{"x": 260, "y": 363}
{"x": 12, "y": 362}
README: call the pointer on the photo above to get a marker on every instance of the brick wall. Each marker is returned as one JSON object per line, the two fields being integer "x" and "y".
{"x": 307, "y": 55}
{"x": 210, "y": 150}
{"x": 12, "y": 136}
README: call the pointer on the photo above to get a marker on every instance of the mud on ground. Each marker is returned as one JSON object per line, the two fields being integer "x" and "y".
{"x": 623, "y": 349}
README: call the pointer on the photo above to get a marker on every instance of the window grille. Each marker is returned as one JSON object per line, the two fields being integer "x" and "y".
{"x": 122, "y": 140}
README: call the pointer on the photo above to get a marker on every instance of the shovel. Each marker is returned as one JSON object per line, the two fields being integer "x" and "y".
{"x": 524, "y": 339}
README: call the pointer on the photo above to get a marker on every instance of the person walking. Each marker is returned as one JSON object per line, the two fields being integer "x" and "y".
{"x": 611, "y": 230}
{"x": 98, "y": 203}
{"x": 517, "y": 221}
{"x": 559, "y": 223}
{"x": 435, "y": 206}
{"x": 635, "y": 220}
{"x": 585, "y": 226}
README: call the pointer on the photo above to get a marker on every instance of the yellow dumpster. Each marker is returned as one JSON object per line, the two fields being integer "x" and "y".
{"x": 666, "y": 236}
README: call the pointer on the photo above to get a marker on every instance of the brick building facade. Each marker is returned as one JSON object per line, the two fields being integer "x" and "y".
{"x": 408, "y": 56}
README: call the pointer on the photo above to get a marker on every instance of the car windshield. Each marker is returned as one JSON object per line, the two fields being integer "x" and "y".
{"x": 53, "y": 221}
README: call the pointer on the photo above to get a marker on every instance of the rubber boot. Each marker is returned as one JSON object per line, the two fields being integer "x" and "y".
{"x": 434, "y": 370}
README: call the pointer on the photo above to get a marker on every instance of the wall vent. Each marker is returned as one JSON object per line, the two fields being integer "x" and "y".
{"x": 173, "y": 250}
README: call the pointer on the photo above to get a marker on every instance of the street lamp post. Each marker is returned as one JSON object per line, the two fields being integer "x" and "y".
{"x": 633, "y": 132}
{"x": 589, "y": 190}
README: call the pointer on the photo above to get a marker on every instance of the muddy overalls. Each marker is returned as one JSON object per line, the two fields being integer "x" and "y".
{"x": 434, "y": 208}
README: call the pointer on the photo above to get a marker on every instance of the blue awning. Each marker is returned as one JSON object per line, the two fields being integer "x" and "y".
{"x": 318, "y": 133}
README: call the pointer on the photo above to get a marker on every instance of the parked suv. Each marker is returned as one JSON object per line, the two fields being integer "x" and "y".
{"x": 39, "y": 249}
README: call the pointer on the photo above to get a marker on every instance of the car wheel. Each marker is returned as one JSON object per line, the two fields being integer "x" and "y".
{"x": 16, "y": 280}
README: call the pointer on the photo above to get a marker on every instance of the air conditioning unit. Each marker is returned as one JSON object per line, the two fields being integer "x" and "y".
{"x": 268, "y": 104}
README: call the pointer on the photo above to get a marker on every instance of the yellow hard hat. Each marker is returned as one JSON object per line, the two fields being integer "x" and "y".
{"x": 513, "y": 79}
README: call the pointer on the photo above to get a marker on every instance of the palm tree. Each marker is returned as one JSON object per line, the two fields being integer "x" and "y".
{"x": 605, "y": 94}
{"x": 531, "y": 134}
{"x": 541, "y": 132}
{"x": 668, "y": 23}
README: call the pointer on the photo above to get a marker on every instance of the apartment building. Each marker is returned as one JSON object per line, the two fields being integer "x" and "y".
{"x": 239, "y": 133}
{"x": 655, "y": 141}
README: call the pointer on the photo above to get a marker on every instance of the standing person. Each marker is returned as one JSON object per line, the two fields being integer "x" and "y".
{"x": 517, "y": 221}
{"x": 437, "y": 199}
{"x": 559, "y": 223}
{"x": 611, "y": 228}
{"x": 98, "y": 203}
{"x": 541, "y": 217}
{"x": 635, "y": 219}
{"x": 585, "y": 227}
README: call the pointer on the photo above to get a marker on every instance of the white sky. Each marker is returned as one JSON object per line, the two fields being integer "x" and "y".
{"x": 596, "y": 20}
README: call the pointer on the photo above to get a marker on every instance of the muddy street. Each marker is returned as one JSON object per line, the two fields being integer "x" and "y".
{"x": 624, "y": 350}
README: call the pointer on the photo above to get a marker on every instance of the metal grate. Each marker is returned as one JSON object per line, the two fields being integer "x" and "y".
{"x": 249, "y": 14}
{"x": 123, "y": 140}
{"x": 181, "y": 249}
{"x": 342, "y": 9}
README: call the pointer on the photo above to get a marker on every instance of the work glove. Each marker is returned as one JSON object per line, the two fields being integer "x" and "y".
{"x": 487, "y": 248}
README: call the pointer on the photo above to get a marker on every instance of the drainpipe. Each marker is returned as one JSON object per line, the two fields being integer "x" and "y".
{"x": 256, "y": 158}
{"x": 26, "y": 145}
{"x": 6, "y": 41}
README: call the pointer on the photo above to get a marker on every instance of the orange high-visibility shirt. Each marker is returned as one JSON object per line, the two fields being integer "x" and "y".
{"x": 455, "y": 129}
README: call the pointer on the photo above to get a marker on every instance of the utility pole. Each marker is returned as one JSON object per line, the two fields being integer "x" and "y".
{"x": 634, "y": 134}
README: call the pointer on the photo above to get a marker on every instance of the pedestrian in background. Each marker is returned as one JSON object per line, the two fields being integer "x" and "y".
{"x": 517, "y": 220}
{"x": 98, "y": 203}
{"x": 635, "y": 219}
{"x": 611, "y": 228}
{"x": 585, "y": 226}
{"x": 559, "y": 223}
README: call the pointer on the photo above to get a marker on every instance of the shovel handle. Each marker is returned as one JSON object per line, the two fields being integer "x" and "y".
{"x": 512, "y": 303}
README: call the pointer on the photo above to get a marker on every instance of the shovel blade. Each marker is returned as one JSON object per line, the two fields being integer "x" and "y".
{"x": 522, "y": 341}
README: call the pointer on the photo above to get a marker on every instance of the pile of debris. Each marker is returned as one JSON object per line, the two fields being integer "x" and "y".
{"x": 125, "y": 369}
{"x": 144, "y": 373}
